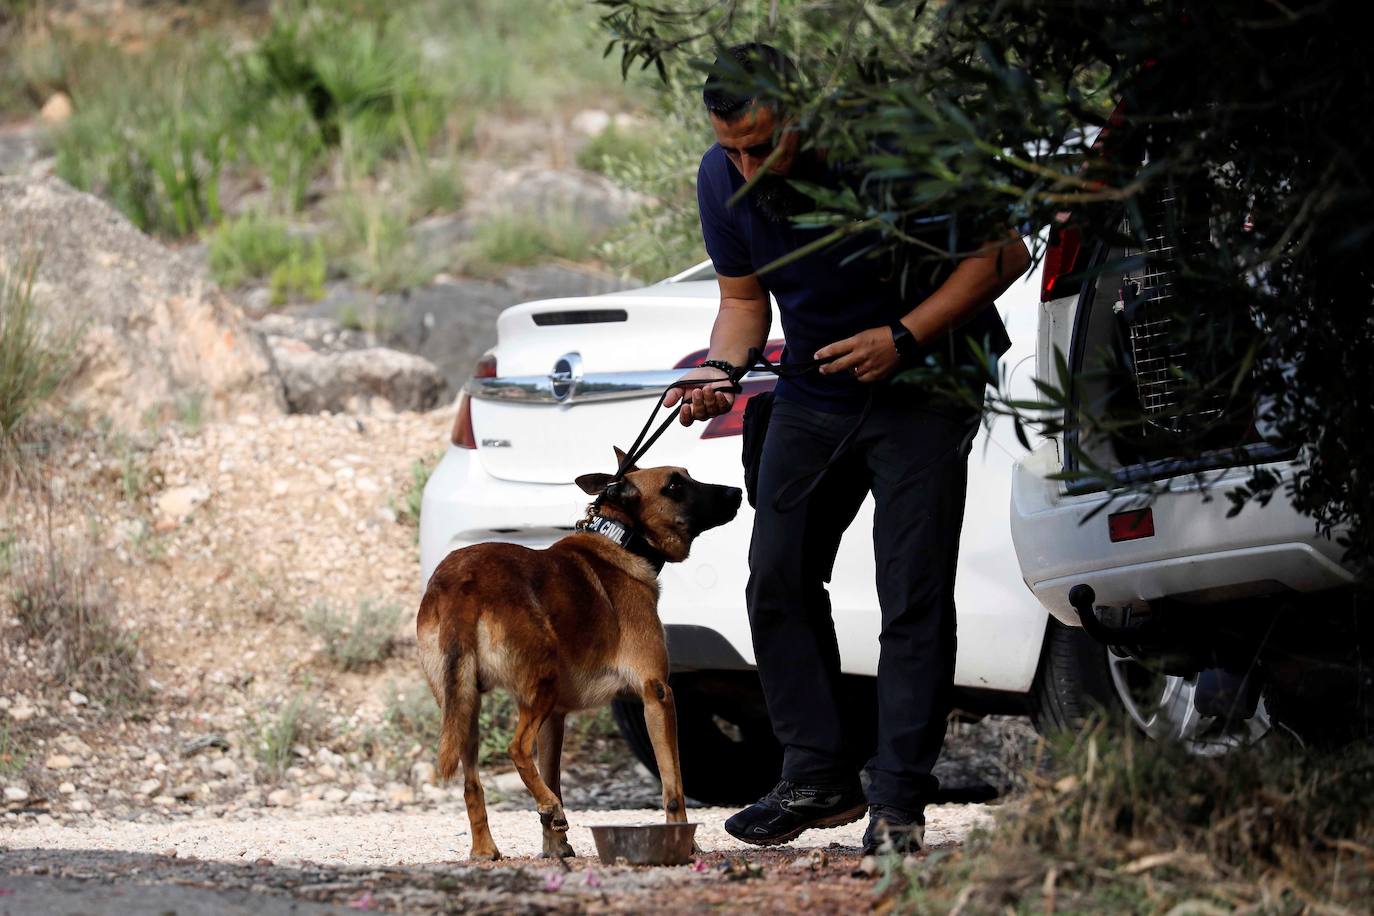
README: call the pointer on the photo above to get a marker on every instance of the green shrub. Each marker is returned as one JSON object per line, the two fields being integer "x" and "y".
{"x": 12, "y": 757}
{"x": 663, "y": 236}
{"x": 371, "y": 237}
{"x": 353, "y": 641}
{"x": 614, "y": 150}
{"x": 35, "y": 358}
{"x": 258, "y": 247}
{"x": 436, "y": 188}
{"x": 298, "y": 721}
{"x": 408, "y": 507}
{"x": 513, "y": 241}
{"x": 151, "y": 132}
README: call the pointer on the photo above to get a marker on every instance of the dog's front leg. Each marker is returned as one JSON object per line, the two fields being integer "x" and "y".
{"x": 550, "y": 747}
{"x": 660, "y": 715}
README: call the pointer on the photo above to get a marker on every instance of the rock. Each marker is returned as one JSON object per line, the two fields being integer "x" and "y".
{"x": 164, "y": 801}
{"x": 590, "y": 121}
{"x": 22, "y": 713}
{"x": 186, "y": 791}
{"x": 67, "y": 788}
{"x": 224, "y": 767}
{"x": 351, "y": 380}
{"x": 327, "y": 772}
{"x": 508, "y": 783}
{"x": 57, "y": 109}
{"x": 148, "y": 787}
{"x": 281, "y": 798}
{"x": 58, "y": 762}
{"x": 400, "y": 795}
{"x": 438, "y": 239}
{"x": 155, "y": 329}
{"x": 177, "y": 504}
{"x": 433, "y": 793}
{"x": 15, "y": 793}
{"x": 77, "y": 698}
{"x": 360, "y": 797}
{"x": 73, "y": 745}
{"x": 421, "y": 773}
{"x": 81, "y": 805}
{"x": 334, "y": 795}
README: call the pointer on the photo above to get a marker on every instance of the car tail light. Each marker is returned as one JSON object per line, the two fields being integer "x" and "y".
{"x": 772, "y": 351}
{"x": 462, "y": 435}
{"x": 1127, "y": 526}
{"x": 486, "y": 366}
{"x": 732, "y": 423}
{"x": 1061, "y": 258}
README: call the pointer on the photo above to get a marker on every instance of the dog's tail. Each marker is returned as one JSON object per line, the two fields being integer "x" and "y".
{"x": 461, "y": 699}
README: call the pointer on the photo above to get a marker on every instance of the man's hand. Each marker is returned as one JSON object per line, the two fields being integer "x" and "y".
{"x": 869, "y": 356}
{"x": 701, "y": 402}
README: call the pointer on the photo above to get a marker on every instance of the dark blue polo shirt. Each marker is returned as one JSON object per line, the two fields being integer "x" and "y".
{"x": 821, "y": 298}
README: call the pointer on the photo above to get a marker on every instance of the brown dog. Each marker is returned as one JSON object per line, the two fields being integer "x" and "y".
{"x": 563, "y": 629}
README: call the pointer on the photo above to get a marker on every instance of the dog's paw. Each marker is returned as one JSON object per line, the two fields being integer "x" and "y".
{"x": 560, "y": 851}
{"x": 484, "y": 855}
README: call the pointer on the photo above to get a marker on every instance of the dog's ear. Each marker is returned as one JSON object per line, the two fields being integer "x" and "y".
{"x": 592, "y": 484}
{"x": 620, "y": 459}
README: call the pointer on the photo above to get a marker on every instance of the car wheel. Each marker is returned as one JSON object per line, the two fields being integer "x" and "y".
{"x": 727, "y": 758}
{"x": 1078, "y": 676}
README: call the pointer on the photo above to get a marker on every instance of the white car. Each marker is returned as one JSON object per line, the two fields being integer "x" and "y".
{"x": 1192, "y": 592}
{"x": 570, "y": 378}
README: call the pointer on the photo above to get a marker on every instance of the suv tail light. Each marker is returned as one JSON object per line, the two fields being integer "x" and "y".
{"x": 1061, "y": 258}
{"x": 462, "y": 434}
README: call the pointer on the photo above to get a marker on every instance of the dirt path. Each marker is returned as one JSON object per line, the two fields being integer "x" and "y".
{"x": 412, "y": 862}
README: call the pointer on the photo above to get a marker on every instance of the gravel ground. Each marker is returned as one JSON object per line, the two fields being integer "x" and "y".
{"x": 411, "y": 838}
{"x": 412, "y": 862}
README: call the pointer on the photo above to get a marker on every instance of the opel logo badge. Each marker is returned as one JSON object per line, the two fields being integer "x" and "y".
{"x": 567, "y": 372}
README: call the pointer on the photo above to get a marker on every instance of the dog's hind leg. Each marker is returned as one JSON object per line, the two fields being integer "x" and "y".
{"x": 458, "y": 742}
{"x": 550, "y": 758}
{"x": 534, "y": 710}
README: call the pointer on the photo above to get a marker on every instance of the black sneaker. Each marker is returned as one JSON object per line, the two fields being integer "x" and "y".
{"x": 894, "y": 830}
{"x": 790, "y": 808}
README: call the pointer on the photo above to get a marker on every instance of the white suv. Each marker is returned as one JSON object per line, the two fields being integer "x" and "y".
{"x": 570, "y": 378}
{"x": 1172, "y": 581}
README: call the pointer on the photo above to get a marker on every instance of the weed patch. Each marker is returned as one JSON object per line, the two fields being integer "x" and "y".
{"x": 514, "y": 241}
{"x": 616, "y": 149}
{"x": 274, "y": 738}
{"x": 353, "y": 641}
{"x": 259, "y": 247}
{"x": 35, "y": 358}
{"x": 63, "y": 606}
{"x": 12, "y": 757}
{"x": 407, "y": 507}
{"x": 1119, "y": 822}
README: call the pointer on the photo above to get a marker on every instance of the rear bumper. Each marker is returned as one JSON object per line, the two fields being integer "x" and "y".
{"x": 1196, "y": 554}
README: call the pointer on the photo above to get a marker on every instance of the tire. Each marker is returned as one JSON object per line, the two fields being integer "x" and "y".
{"x": 1072, "y": 682}
{"x": 727, "y": 758}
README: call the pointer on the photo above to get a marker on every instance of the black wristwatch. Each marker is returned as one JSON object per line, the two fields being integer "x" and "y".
{"x": 908, "y": 347}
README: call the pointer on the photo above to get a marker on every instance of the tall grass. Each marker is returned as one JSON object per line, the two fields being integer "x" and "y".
{"x": 1118, "y": 823}
{"x": 35, "y": 357}
{"x": 67, "y": 609}
{"x": 259, "y": 247}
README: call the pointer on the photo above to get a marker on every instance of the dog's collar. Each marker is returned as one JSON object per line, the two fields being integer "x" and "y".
{"x": 623, "y": 537}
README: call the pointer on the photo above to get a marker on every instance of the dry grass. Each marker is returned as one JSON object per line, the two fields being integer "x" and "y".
{"x": 64, "y": 605}
{"x": 358, "y": 640}
{"x": 1118, "y": 823}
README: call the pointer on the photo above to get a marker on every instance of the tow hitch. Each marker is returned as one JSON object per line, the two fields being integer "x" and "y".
{"x": 1084, "y": 599}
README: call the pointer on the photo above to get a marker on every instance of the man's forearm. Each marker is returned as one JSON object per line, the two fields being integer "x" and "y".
{"x": 971, "y": 286}
{"x": 738, "y": 329}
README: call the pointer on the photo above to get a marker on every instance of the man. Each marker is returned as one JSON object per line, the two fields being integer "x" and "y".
{"x": 909, "y": 450}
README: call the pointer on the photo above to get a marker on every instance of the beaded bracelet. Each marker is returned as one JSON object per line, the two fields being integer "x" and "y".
{"x": 720, "y": 364}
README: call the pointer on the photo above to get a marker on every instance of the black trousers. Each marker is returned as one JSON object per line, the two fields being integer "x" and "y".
{"x": 913, "y": 457}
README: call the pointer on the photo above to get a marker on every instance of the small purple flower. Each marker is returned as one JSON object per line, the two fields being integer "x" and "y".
{"x": 553, "y": 882}
{"x": 591, "y": 879}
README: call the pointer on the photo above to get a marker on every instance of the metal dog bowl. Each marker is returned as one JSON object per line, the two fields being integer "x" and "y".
{"x": 646, "y": 844}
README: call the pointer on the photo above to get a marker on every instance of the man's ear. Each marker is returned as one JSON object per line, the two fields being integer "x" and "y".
{"x": 620, "y": 458}
{"x": 592, "y": 484}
